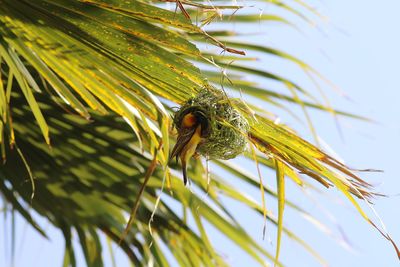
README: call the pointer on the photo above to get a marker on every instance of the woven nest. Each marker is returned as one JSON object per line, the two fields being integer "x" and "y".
{"x": 228, "y": 129}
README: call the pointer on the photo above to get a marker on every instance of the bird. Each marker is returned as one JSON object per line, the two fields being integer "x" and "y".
{"x": 192, "y": 129}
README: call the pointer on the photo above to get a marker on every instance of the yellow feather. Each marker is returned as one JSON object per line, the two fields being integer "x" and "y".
{"x": 189, "y": 149}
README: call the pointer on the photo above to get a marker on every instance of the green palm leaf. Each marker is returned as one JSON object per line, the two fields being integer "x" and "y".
{"x": 87, "y": 91}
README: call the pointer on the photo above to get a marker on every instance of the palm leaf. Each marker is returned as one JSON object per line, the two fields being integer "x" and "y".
{"x": 98, "y": 79}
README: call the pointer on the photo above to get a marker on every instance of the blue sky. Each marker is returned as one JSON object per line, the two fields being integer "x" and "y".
{"x": 359, "y": 53}
{"x": 357, "y": 49}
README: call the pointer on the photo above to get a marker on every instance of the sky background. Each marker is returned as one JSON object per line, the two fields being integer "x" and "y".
{"x": 357, "y": 49}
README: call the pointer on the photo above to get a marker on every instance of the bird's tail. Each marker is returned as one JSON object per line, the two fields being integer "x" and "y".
{"x": 185, "y": 179}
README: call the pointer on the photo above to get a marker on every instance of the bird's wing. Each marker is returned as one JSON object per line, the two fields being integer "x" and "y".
{"x": 189, "y": 150}
{"x": 183, "y": 138}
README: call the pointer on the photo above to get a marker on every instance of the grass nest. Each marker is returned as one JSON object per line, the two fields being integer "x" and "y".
{"x": 227, "y": 133}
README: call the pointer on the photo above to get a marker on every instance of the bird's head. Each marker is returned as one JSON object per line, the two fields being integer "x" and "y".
{"x": 195, "y": 117}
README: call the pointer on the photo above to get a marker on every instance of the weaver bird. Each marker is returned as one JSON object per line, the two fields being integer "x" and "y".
{"x": 192, "y": 129}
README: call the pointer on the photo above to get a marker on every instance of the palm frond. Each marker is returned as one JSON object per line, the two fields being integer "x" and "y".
{"x": 87, "y": 89}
